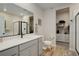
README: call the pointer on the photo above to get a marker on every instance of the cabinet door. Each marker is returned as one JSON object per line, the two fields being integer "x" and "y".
{"x": 30, "y": 51}
{"x": 34, "y": 50}
{"x": 25, "y": 52}
{"x": 40, "y": 46}
{"x": 10, "y": 52}
{"x": 27, "y": 44}
{"x": 29, "y": 48}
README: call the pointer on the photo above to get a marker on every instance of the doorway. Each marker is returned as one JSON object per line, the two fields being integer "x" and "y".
{"x": 62, "y": 28}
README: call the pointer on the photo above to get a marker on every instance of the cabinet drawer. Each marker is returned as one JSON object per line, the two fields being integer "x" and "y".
{"x": 25, "y": 52}
{"x": 27, "y": 44}
{"x": 10, "y": 52}
{"x": 34, "y": 50}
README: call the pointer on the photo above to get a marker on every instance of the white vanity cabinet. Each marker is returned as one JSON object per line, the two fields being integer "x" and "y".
{"x": 25, "y": 52}
{"x": 10, "y": 52}
{"x": 30, "y": 51}
{"x": 32, "y": 47}
{"x": 29, "y": 48}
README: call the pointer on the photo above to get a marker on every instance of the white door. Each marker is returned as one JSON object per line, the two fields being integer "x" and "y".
{"x": 77, "y": 32}
{"x": 76, "y": 29}
{"x": 2, "y": 26}
{"x": 73, "y": 11}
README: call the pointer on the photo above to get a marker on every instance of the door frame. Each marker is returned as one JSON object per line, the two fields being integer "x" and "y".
{"x": 76, "y": 33}
{"x": 69, "y": 24}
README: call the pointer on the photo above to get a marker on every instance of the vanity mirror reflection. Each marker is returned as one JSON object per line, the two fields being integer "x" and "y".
{"x": 15, "y": 20}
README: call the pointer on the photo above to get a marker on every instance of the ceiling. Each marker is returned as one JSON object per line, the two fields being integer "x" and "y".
{"x": 14, "y": 9}
{"x": 51, "y": 5}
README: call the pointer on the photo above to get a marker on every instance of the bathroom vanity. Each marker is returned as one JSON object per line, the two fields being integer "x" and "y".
{"x": 29, "y": 45}
{"x": 16, "y": 32}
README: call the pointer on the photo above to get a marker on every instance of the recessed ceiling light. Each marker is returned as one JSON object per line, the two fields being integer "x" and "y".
{"x": 4, "y": 9}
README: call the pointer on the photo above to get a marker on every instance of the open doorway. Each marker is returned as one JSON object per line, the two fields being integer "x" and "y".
{"x": 62, "y": 28}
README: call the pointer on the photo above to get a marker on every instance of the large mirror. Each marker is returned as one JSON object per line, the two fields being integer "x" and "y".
{"x": 14, "y": 20}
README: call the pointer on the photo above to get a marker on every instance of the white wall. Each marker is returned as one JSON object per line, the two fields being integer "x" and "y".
{"x": 50, "y": 25}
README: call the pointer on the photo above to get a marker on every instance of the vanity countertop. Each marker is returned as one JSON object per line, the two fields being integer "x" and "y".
{"x": 9, "y": 42}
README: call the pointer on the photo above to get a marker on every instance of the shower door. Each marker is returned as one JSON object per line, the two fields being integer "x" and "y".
{"x": 77, "y": 33}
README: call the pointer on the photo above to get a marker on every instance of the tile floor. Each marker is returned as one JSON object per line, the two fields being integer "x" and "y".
{"x": 61, "y": 49}
{"x": 64, "y": 45}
